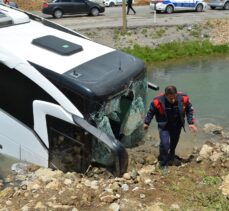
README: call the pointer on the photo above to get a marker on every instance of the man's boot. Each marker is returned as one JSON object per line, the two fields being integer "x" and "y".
{"x": 171, "y": 158}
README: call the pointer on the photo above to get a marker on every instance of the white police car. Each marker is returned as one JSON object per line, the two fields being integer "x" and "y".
{"x": 112, "y": 3}
{"x": 169, "y": 6}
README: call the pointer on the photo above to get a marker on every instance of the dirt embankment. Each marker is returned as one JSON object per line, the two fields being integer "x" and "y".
{"x": 201, "y": 182}
{"x": 217, "y": 31}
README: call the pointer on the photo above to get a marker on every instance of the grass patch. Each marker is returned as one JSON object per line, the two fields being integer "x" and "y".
{"x": 211, "y": 201}
{"x": 118, "y": 34}
{"x": 144, "y": 31}
{"x": 196, "y": 31}
{"x": 173, "y": 187}
{"x": 90, "y": 34}
{"x": 180, "y": 27}
{"x": 176, "y": 50}
{"x": 211, "y": 180}
{"x": 158, "y": 33}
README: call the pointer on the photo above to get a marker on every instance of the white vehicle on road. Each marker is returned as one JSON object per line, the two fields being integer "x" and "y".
{"x": 112, "y": 3}
{"x": 219, "y": 3}
{"x": 169, "y": 6}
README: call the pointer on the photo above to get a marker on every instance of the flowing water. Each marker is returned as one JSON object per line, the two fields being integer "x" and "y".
{"x": 206, "y": 82}
{"x": 5, "y": 165}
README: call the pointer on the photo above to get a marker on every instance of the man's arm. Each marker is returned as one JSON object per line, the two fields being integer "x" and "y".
{"x": 190, "y": 116}
{"x": 149, "y": 116}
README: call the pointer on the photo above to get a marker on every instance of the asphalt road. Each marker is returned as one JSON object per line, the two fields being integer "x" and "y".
{"x": 144, "y": 17}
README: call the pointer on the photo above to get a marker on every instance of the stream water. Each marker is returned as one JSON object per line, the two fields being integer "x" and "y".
{"x": 205, "y": 80}
{"x": 5, "y": 165}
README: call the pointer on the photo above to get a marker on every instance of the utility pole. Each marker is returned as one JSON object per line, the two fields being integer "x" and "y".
{"x": 124, "y": 21}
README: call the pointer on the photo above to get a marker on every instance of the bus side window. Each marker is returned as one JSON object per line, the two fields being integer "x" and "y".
{"x": 17, "y": 93}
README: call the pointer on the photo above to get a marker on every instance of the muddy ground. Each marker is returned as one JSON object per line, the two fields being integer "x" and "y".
{"x": 198, "y": 184}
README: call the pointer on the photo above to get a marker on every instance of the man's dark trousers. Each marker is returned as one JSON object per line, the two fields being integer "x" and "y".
{"x": 169, "y": 138}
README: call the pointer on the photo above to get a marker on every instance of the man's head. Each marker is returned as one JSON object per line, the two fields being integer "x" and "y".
{"x": 171, "y": 93}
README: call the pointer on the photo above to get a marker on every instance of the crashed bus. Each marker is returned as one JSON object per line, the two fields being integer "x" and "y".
{"x": 66, "y": 102}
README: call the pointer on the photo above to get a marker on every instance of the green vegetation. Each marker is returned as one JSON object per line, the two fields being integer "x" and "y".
{"x": 196, "y": 31}
{"x": 129, "y": 33}
{"x": 180, "y": 27}
{"x": 198, "y": 191}
{"x": 174, "y": 187}
{"x": 116, "y": 34}
{"x": 119, "y": 34}
{"x": 176, "y": 50}
{"x": 158, "y": 33}
{"x": 211, "y": 201}
{"x": 144, "y": 31}
{"x": 212, "y": 180}
{"x": 90, "y": 34}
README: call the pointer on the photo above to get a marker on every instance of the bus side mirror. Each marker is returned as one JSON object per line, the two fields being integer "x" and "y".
{"x": 153, "y": 86}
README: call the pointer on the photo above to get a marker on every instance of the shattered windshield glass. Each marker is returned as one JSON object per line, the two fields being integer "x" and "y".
{"x": 122, "y": 118}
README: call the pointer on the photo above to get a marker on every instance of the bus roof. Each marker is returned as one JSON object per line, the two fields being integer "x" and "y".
{"x": 95, "y": 67}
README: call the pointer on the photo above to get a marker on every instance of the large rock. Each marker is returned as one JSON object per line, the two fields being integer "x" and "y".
{"x": 225, "y": 135}
{"x": 55, "y": 185}
{"x": 213, "y": 129}
{"x": 114, "y": 207}
{"x": 6, "y": 193}
{"x": 225, "y": 149}
{"x": 205, "y": 152}
{"x": 47, "y": 175}
{"x": 130, "y": 205}
{"x": 108, "y": 198}
{"x": 215, "y": 156}
{"x": 225, "y": 186}
{"x": 147, "y": 171}
{"x": 19, "y": 168}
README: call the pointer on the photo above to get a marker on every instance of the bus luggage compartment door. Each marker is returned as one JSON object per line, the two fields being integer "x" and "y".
{"x": 69, "y": 146}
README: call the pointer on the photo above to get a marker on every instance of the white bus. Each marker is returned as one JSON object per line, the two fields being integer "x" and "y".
{"x": 66, "y": 102}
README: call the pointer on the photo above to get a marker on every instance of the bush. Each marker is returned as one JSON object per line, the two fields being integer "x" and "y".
{"x": 176, "y": 50}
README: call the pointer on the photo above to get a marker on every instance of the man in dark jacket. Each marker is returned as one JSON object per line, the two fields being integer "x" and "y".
{"x": 129, "y": 6}
{"x": 169, "y": 110}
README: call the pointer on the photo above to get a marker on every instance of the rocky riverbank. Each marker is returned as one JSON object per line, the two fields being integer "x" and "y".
{"x": 201, "y": 182}
{"x": 217, "y": 31}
